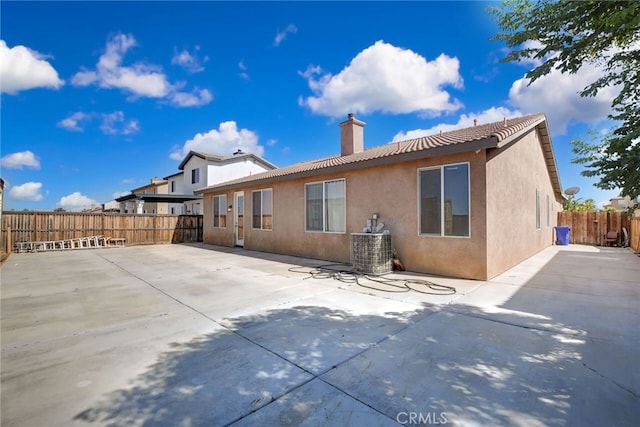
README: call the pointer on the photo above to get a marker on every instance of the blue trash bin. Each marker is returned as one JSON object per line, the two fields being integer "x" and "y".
{"x": 562, "y": 234}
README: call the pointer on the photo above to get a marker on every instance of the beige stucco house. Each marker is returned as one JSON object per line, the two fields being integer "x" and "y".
{"x": 468, "y": 203}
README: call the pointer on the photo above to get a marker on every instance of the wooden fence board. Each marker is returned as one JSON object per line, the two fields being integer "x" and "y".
{"x": 587, "y": 228}
{"x": 590, "y": 228}
{"x": 634, "y": 234}
{"x": 137, "y": 229}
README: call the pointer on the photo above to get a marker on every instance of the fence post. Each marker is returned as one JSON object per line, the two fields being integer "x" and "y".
{"x": 9, "y": 245}
{"x": 35, "y": 227}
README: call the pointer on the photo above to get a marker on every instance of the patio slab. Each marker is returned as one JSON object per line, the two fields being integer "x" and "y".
{"x": 201, "y": 335}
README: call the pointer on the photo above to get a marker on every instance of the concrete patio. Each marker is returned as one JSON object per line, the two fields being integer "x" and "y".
{"x": 197, "y": 335}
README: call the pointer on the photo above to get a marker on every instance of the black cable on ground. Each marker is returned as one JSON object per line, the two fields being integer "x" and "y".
{"x": 344, "y": 273}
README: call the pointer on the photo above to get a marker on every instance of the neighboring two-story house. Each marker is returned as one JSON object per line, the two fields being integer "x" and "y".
{"x": 204, "y": 169}
{"x": 174, "y": 194}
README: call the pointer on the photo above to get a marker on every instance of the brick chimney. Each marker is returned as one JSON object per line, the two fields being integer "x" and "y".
{"x": 351, "y": 136}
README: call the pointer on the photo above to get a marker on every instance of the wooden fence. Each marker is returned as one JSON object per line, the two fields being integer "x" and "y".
{"x": 587, "y": 228}
{"x": 634, "y": 235}
{"x": 590, "y": 228}
{"x": 137, "y": 229}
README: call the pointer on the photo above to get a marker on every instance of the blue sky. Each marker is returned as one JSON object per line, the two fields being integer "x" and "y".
{"x": 100, "y": 97}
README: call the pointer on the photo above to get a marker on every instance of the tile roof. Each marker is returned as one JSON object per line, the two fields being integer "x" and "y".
{"x": 488, "y": 135}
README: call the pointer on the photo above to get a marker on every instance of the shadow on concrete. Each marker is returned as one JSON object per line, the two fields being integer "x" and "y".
{"x": 561, "y": 349}
{"x": 575, "y": 357}
{"x": 595, "y": 294}
{"x": 222, "y": 377}
{"x": 466, "y": 370}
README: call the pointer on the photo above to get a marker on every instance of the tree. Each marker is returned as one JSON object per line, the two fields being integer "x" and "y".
{"x": 569, "y": 34}
{"x": 579, "y": 205}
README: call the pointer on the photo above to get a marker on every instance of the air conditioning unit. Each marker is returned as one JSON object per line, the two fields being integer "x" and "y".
{"x": 371, "y": 253}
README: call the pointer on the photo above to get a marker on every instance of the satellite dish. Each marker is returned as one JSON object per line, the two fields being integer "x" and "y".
{"x": 572, "y": 191}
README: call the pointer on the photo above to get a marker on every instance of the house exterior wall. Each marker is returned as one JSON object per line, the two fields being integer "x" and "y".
{"x": 176, "y": 182}
{"x": 194, "y": 162}
{"x": 157, "y": 208}
{"x": 390, "y": 190}
{"x": 158, "y": 187}
{"x": 211, "y": 174}
{"x": 243, "y": 167}
{"x": 514, "y": 173}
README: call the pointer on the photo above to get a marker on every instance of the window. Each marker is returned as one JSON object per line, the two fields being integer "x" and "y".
{"x": 173, "y": 186}
{"x": 195, "y": 175}
{"x": 537, "y": 209}
{"x": 444, "y": 200}
{"x": 262, "y": 204}
{"x": 325, "y": 205}
{"x": 220, "y": 211}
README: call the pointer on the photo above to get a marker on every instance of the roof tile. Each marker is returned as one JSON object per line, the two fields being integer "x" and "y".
{"x": 499, "y": 130}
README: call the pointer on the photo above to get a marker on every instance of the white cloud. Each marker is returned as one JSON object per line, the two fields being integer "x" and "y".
{"x": 224, "y": 141}
{"x": 76, "y": 202}
{"x": 29, "y": 191}
{"x": 115, "y": 123}
{"x": 19, "y": 160}
{"x": 385, "y": 78}
{"x": 557, "y": 95}
{"x": 243, "y": 70}
{"x": 139, "y": 79}
{"x": 493, "y": 114}
{"x": 190, "y": 62}
{"x": 73, "y": 122}
{"x": 22, "y": 68}
{"x": 531, "y": 62}
{"x": 196, "y": 98}
{"x": 282, "y": 35}
{"x": 111, "y": 123}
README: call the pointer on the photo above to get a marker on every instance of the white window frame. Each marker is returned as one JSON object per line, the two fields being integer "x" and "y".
{"x": 441, "y": 168}
{"x": 262, "y": 224}
{"x": 195, "y": 175}
{"x": 324, "y": 206}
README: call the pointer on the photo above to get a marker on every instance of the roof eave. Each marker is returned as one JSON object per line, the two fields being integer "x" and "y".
{"x": 159, "y": 198}
{"x": 550, "y": 159}
{"x": 172, "y": 175}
